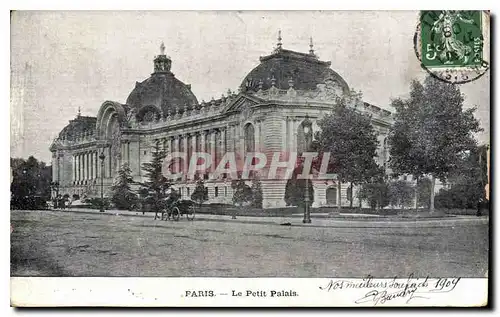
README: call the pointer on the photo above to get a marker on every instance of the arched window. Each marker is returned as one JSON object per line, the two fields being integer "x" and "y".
{"x": 149, "y": 116}
{"x": 302, "y": 134}
{"x": 331, "y": 196}
{"x": 249, "y": 138}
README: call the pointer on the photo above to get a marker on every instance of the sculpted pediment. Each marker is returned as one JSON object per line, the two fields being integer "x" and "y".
{"x": 241, "y": 103}
{"x": 327, "y": 91}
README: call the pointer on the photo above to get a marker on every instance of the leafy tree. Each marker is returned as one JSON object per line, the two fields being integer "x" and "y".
{"x": 295, "y": 190}
{"x": 200, "y": 193}
{"x": 376, "y": 193}
{"x": 256, "y": 193}
{"x": 30, "y": 178}
{"x": 401, "y": 193}
{"x": 122, "y": 195}
{"x": 350, "y": 138}
{"x": 242, "y": 193}
{"x": 154, "y": 189}
{"x": 468, "y": 181}
{"x": 431, "y": 131}
{"x": 424, "y": 186}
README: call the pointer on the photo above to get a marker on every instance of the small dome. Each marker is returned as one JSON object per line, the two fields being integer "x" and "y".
{"x": 162, "y": 91}
{"x": 81, "y": 125}
{"x": 285, "y": 67}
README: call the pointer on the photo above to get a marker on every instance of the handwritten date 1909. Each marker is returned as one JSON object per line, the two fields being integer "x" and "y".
{"x": 383, "y": 290}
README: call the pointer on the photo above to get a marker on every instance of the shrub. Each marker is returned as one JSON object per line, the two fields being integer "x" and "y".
{"x": 95, "y": 202}
{"x": 200, "y": 193}
{"x": 376, "y": 194}
{"x": 256, "y": 193}
{"x": 401, "y": 193}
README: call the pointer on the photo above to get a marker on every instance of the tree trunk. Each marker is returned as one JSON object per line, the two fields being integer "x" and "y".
{"x": 351, "y": 196}
{"x": 416, "y": 195}
{"x": 339, "y": 197}
{"x": 433, "y": 184}
{"x": 360, "y": 201}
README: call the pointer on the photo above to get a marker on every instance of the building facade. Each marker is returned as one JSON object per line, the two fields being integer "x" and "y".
{"x": 266, "y": 115}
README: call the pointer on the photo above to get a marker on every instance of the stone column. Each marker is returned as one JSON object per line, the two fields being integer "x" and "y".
{"x": 212, "y": 150}
{"x": 89, "y": 161}
{"x": 82, "y": 166}
{"x": 166, "y": 145}
{"x": 257, "y": 136}
{"x": 122, "y": 153}
{"x": 193, "y": 143}
{"x": 173, "y": 141}
{"x": 194, "y": 136}
{"x": 237, "y": 141}
{"x": 223, "y": 141}
{"x": 202, "y": 141}
{"x": 76, "y": 166}
{"x": 87, "y": 166}
{"x": 128, "y": 153}
{"x": 96, "y": 163}
{"x": 79, "y": 167}
{"x": 295, "y": 126}
{"x": 229, "y": 138}
{"x": 94, "y": 158}
{"x": 284, "y": 122}
{"x": 89, "y": 155}
{"x": 109, "y": 162}
{"x": 91, "y": 165}
{"x": 185, "y": 154}
{"x": 73, "y": 168}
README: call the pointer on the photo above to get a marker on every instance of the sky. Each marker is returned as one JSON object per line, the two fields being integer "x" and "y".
{"x": 65, "y": 60}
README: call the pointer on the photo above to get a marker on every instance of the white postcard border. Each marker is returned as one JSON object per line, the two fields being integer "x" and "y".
{"x": 241, "y": 292}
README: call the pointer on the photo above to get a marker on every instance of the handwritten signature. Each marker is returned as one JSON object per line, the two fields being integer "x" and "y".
{"x": 383, "y": 296}
{"x": 383, "y": 290}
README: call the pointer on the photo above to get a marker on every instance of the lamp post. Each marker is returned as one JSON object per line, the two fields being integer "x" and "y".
{"x": 307, "y": 133}
{"x": 57, "y": 183}
{"x": 55, "y": 187}
{"x": 102, "y": 157}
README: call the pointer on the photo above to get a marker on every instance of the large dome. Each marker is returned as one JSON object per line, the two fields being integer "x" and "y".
{"x": 162, "y": 90}
{"x": 283, "y": 67}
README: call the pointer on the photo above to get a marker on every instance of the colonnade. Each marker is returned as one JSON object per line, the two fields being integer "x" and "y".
{"x": 87, "y": 165}
{"x": 212, "y": 141}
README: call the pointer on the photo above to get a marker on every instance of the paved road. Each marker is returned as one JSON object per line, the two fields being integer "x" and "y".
{"x": 48, "y": 243}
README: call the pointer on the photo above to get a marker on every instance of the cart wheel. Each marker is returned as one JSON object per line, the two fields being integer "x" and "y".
{"x": 176, "y": 214}
{"x": 190, "y": 213}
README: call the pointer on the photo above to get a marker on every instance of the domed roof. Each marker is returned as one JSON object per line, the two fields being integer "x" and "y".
{"x": 285, "y": 67}
{"x": 81, "y": 125}
{"x": 161, "y": 90}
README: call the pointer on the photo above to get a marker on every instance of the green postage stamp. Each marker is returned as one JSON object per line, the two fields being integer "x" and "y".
{"x": 451, "y": 44}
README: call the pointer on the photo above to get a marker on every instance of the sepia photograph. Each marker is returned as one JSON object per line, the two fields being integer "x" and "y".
{"x": 345, "y": 151}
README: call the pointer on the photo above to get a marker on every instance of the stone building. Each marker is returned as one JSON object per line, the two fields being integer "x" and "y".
{"x": 266, "y": 114}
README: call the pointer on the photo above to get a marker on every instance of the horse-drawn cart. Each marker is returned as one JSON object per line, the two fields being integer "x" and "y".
{"x": 179, "y": 207}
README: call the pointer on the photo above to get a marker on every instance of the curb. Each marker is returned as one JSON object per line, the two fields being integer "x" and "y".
{"x": 371, "y": 223}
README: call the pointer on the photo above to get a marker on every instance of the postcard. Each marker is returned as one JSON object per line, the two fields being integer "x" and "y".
{"x": 250, "y": 158}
